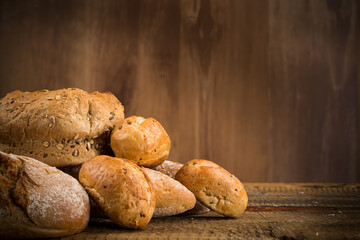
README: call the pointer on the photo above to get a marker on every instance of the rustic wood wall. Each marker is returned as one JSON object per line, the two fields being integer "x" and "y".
{"x": 268, "y": 89}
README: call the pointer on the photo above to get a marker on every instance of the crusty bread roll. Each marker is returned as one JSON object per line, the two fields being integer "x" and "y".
{"x": 143, "y": 141}
{"x": 60, "y": 128}
{"x": 121, "y": 189}
{"x": 214, "y": 187}
{"x": 38, "y": 201}
{"x": 171, "y": 196}
{"x": 170, "y": 169}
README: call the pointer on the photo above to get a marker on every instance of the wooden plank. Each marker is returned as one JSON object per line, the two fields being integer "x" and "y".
{"x": 340, "y": 222}
{"x": 338, "y": 196}
{"x": 313, "y": 107}
{"x": 358, "y": 90}
{"x": 252, "y": 225}
{"x": 43, "y": 45}
{"x": 222, "y": 77}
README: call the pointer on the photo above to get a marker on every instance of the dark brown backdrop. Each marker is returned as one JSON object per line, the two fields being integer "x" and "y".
{"x": 268, "y": 89}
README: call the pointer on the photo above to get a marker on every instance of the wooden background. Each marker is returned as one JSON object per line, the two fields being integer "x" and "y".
{"x": 267, "y": 89}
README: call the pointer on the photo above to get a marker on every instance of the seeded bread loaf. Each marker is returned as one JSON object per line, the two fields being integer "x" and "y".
{"x": 172, "y": 197}
{"x": 121, "y": 189}
{"x": 143, "y": 141}
{"x": 38, "y": 201}
{"x": 60, "y": 128}
{"x": 214, "y": 187}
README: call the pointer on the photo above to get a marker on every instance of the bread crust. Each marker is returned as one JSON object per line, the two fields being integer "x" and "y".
{"x": 143, "y": 141}
{"x": 60, "y": 128}
{"x": 39, "y": 201}
{"x": 121, "y": 189}
{"x": 172, "y": 197}
{"x": 214, "y": 187}
{"x": 170, "y": 169}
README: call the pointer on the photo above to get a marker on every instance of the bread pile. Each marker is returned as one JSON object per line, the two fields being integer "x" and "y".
{"x": 66, "y": 155}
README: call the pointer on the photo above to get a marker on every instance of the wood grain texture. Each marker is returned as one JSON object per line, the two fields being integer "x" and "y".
{"x": 275, "y": 211}
{"x": 264, "y": 88}
{"x": 358, "y": 91}
{"x": 229, "y": 130}
{"x": 312, "y": 91}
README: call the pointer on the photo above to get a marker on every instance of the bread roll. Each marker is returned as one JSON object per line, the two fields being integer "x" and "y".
{"x": 170, "y": 169}
{"x": 171, "y": 196}
{"x": 121, "y": 189}
{"x": 60, "y": 128}
{"x": 38, "y": 201}
{"x": 143, "y": 141}
{"x": 214, "y": 187}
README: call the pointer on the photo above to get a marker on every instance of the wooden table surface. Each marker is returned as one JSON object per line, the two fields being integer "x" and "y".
{"x": 275, "y": 211}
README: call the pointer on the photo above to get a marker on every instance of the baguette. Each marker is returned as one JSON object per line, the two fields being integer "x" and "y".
{"x": 39, "y": 201}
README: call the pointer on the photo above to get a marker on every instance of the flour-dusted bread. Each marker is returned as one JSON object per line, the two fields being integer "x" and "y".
{"x": 214, "y": 187}
{"x": 121, "y": 189}
{"x": 39, "y": 201}
{"x": 143, "y": 141}
{"x": 171, "y": 196}
{"x": 170, "y": 169}
{"x": 60, "y": 128}
{"x": 95, "y": 210}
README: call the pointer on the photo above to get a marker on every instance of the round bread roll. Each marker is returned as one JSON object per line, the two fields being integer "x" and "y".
{"x": 60, "y": 128}
{"x": 121, "y": 189}
{"x": 171, "y": 196}
{"x": 39, "y": 201}
{"x": 214, "y": 187}
{"x": 143, "y": 141}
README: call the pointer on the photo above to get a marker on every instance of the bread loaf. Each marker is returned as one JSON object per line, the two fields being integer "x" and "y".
{"x": 60, "y": 128}
{"x": 143, "y": 141}
{"x": 171, "y": 196}
{"x": 214, "y": 187}
{"x": 121, "y": 189}
{"x": 170, "y": 169}
{"x": 38, "y": 201}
